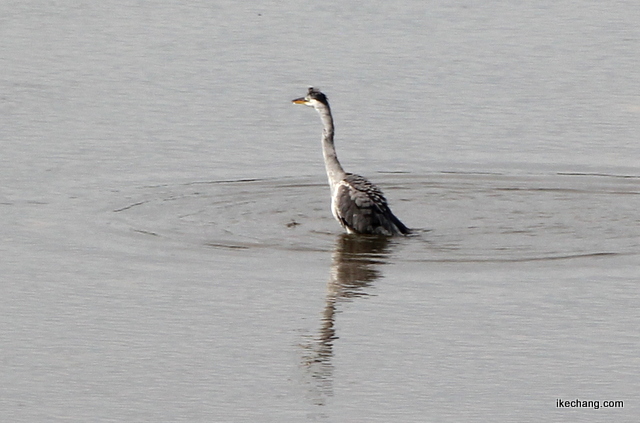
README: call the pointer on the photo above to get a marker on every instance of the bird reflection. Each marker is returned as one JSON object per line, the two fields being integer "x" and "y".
{"x": 354, "y": 267}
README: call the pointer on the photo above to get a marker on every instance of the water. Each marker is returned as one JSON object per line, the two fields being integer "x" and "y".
{"x": 168, "y": 253}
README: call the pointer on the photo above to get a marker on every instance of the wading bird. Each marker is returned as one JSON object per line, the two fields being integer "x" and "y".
{"x": 357, "y": 204}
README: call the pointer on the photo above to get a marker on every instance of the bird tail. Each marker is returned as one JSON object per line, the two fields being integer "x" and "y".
{"x": 401, "y": 227}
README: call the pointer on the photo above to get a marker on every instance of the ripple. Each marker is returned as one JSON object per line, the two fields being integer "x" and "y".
{"x": 458, "y": 217}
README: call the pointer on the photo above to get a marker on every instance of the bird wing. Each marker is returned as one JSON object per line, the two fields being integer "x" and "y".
{"x": 361, "y": 207}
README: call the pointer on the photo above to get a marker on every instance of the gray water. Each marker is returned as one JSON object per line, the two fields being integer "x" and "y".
{"x": 168, "y": 253}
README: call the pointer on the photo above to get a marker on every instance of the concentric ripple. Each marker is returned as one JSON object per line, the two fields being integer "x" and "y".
{"x": 457, "y": 217}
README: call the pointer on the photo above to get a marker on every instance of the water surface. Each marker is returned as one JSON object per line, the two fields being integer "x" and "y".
{"x": 168, "y": 252}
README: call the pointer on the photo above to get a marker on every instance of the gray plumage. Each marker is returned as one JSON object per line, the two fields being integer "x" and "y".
{"x": 360, "y": 207}
{"x": 357, "y": 204}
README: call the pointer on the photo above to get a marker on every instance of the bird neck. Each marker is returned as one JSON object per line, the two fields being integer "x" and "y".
{"x": 335, "y": 173}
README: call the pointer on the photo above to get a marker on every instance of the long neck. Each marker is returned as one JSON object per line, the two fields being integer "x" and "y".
{"x": 335, "y": 173}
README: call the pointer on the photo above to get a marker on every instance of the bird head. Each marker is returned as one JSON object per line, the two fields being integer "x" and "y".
{"x": 313, "y": 98}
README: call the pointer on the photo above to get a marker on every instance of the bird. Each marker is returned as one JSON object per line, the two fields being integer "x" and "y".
{"x": 356, "y": 203}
